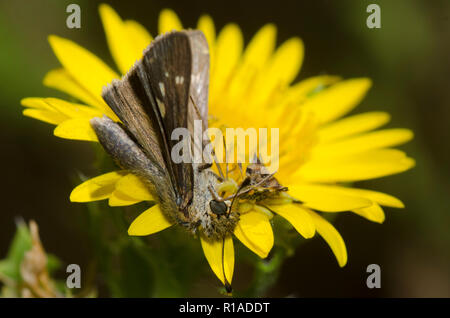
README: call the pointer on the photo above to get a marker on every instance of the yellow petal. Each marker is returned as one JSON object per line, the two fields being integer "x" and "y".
{"x": 121, "y": 42}
{"x": 117, "y": 38}
{"x": 254, "y": 59}
{"x": 61, "y": 80}
{"x": 338, "y": 99}
{"x": 298, "y": 92}
{"x": 323, "y": 198}
{"x": 331, "y": 236}
{"x": 298, "y": 216}
{"x": 378, "y": 197}
{"x": 227, "y": 53}
{"x": 140, "y": 38}
{"x": 77, "y": 129}
{"x": 255, "y": 232}
{"x": 69, "y": 110}
{"x": 168, "y": 21}
{"x": 352, "y": 125}
{"x": 206, "y": 25}
{"x": 373, "y": 213}
{"x": 118, "y": 198}
{"x": 133, "y": 187}
{"x": 48, "y": 116}
{"x": 373, "y": 140}
{"x": 261, "y": 46}
{"x": 220, "y": 256}
{"x": 367, "y": 165}
{"x": 285, "y": 63}
{"x": 86, "y": 68}
{"x": 72, "y": 110}
{"x": 98, "y": 188}
{"x": 266, "y": 212}
{"x": 148, "y": 222}
{"x": 281, "y": 70}
{"x": 35, "y": 102}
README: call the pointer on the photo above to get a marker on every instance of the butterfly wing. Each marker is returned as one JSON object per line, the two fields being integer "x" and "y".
{"x": 124, "y": 150}
{"x": 165, "y": 90}
{"x": 126, "y": 98}
{"x": 198, "y": 103}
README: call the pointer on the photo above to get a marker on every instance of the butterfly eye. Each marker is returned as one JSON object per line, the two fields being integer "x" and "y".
{"x": 218, "y": 207}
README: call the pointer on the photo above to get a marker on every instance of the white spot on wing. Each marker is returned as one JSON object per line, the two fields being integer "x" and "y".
{"x": 179, "y": 80}
{"x": 162, "y": 88}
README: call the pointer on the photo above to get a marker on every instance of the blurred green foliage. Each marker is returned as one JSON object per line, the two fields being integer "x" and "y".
{"x": 10, "y": 267}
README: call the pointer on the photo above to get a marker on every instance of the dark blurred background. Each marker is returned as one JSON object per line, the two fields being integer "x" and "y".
{"x": 408, "y": 60}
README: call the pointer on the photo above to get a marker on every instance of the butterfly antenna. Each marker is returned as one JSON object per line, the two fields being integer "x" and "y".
{"x": 240, "y": 170}
{"x": 219, "y": 168}
{"x": 243, "y": 184}
{"x": 226, "y": 161}
{"x": 195, "y": 106}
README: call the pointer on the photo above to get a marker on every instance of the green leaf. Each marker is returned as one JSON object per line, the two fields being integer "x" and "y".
{"x": 21, "y": 243}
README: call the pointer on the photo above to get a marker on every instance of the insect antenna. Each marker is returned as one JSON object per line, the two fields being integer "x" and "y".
{"x": 245, "y": 183}
{"x": 195, "y": 106}
{"x": 240, "y": 170}
{"x": 234, "y": 196}
{"x": 226, "y": 161}
{"x": 219, "y": 168}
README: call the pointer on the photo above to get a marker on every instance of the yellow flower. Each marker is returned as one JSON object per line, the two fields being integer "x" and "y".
{"x": 320, "y": 152}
